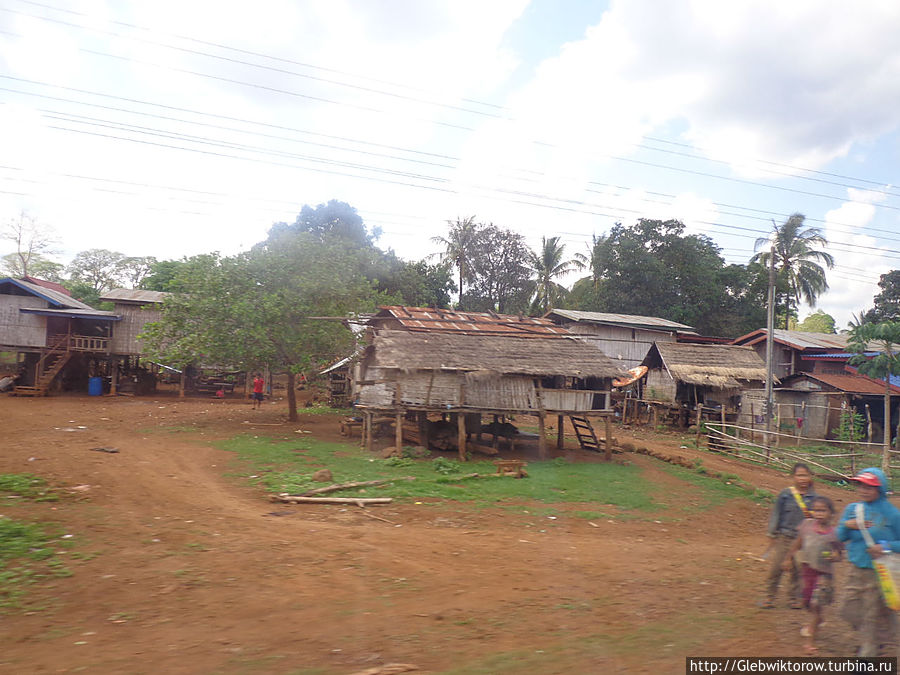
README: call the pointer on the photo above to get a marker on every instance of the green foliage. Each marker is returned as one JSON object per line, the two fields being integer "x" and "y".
{"x": 326, "y": 222}
{"x": 26, "y": 485}
{"x": 445, "y": 466}
{"x": 852, "y": 426}
{"x": 26, "y": 556}
{"x": 797, "y": 259}
{"x": 817, "y": 322}
{"x": 547, "y": 266}
{"x": 887, "y": 302}
{"x": 653, "y": 268}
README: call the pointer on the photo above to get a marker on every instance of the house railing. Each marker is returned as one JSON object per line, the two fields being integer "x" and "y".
{"x": 77, "y": 343}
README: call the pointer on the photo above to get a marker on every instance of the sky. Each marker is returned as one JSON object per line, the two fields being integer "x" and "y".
{"x": 172, "y": 128}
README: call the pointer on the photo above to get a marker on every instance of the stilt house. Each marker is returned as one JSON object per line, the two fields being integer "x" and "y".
{"x": 466, "y": 364}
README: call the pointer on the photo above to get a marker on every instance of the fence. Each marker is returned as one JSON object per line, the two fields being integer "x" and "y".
{"x": 741, "y": 441}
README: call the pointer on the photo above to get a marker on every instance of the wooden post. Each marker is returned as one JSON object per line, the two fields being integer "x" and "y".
{"x": 114, "y": 382}
{"x": 608, "y": 441}
{"x": 461, "y": 438}
{"x": 423, "y": 428}
{"x": 370, "y": 431}
{"x": 778, "y": 425}
{"x": 560, "y": 441}
{"x": 868, "y": 424}
{"x": 542, "y": 436}
{"x": 752, "y": 423}
{"x": 699, "y": 420}
{"x": 398, "y": 432}
{"x": 364, "y": 430}
{"x": 181, "y": 385}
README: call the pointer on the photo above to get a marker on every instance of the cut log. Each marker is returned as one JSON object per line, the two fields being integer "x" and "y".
{"x": 349, "y": 486}
{"x": 288, "y": 499}
{"x": 483, "y": 449}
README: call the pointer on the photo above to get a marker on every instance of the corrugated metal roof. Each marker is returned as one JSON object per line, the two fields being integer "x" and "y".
{"x": 851, "y": 383}
{"x": 798, "y": 339}
{"x": 837, "y": 356}
{"x": 48, "y": 294}
{"x": 631, "y": 320}
{"x": 895, "y": 379}
{"x": 475, "y": 323}
{"x": 133, "y": 295}
{"x": 74, "y": 313}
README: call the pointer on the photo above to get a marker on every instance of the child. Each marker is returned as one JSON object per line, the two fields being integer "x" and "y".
{"x": 819, "y": 549}
{"x": 791, "y": 507}
{"x": 864, "y": 605}
{"x": 258, "y": 386}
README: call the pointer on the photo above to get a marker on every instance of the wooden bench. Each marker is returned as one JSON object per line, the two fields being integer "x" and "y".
{"x": 511, "y": 467}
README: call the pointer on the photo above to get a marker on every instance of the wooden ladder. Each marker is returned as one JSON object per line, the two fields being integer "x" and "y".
{"x": 587, "y": 439}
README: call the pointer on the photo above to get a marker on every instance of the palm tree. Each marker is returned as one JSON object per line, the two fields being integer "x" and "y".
{"x": 797, "y": 261}
{"x": 459, "y": 245}
{"x": 547, "y": 266}
{"x": 595, "y": 260}
{"x": 884, "y": 364}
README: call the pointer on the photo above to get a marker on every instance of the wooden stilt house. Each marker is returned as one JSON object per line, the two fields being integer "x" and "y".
{"x": 463, "y": 365}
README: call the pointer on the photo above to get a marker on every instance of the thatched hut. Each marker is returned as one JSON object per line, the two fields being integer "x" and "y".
{"x": 714, "y": 376}
{"x": 466, "y": 374}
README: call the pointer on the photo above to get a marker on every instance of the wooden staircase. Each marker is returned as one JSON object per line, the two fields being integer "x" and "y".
{"x": 587, "y": 439}
{"x": 48, "y": 367}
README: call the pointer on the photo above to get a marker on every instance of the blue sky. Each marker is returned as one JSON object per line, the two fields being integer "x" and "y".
{"x": 173, "y": 128}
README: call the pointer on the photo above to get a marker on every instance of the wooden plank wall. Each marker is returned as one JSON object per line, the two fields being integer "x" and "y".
{"x": 125, "y": 332}
{"x": 18, "y": 329}
{"x": 626, "y": 345}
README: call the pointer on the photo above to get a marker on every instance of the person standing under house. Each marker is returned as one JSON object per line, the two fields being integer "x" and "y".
{"x": 791, "y": 507}
{"x": 258, "y": 387}
{"x": 864, "y": 606}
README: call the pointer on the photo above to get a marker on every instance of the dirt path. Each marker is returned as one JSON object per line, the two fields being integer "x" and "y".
{"x": 189, "y": 570}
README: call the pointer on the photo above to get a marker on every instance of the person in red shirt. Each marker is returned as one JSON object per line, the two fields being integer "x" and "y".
{"x": 258, "y": 386}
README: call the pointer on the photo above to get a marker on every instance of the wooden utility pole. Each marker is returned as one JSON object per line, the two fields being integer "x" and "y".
{"x": 770, "y": 343}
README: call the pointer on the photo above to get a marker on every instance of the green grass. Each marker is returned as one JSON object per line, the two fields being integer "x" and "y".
{"x": 26, "y": 485}
{"x": 27, "y": 556}
{"x": 287, "y": 466}
{"x": 326, "y": 410}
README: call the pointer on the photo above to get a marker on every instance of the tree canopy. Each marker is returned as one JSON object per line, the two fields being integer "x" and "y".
{"x": 887, "y": 302}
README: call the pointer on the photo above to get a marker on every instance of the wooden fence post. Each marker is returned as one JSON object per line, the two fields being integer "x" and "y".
{"x": 699, "y": 420}
{"x": 542, "y": 439}
{"x": 461, "y": 437}
{"x": 560, "y": 441}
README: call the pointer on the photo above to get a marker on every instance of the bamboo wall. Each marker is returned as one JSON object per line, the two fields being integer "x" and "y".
{"x": 125, "y": 332}
{"x": 660, "y": 386}
{"x": 18, "y": 329}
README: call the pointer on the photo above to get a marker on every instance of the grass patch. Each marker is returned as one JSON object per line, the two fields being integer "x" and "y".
{"x": 326, "y": 410}
{"x": 288, "y": 465}
{"x": 27, "y": 555}
{"x": 26, "y": 485}
{"x": 715, "y": 490}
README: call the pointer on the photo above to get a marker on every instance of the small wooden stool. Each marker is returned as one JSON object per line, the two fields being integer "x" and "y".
{"x": 511, "y": 467}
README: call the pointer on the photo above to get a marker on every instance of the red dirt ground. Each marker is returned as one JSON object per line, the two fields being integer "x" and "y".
{"x": 190, "y": 570}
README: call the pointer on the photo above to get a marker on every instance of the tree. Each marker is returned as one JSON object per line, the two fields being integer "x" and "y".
{"x": 98, "y": 268}
{"x": 256, "y": 308}
{"x": 499, "y": 272}
{"x": 797, "y": 261}
{"x": 39, "y": 267}
{"x": 133, "y": 270}
{"x": 334, "y": 219}
{"x": 547, "y": 266}
{"x": 886, "y": 362}
{"x": 419, "y": 284}
{"x": 887, "y": 302}
{"x": 459, "y": 247}
{"x": 31, "y": 240}
{"x": 817, "y": 322}
{"x": 164, "y": 276}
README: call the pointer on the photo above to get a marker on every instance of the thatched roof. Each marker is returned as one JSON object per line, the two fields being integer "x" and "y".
{"x": 499, "y": 354}
{"x": 717, "y": 366}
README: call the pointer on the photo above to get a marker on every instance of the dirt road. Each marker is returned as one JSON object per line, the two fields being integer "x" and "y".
{"x": 179, "y": 566}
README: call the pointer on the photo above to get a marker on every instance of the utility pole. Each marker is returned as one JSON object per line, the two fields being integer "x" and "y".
{"x": 770, "y": 365}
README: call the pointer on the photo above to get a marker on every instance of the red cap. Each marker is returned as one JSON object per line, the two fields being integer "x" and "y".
{"x": 867, "y": 478}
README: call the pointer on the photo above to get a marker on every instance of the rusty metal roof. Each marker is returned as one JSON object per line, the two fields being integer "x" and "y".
{"x": 473, "y": 323}
{"x": 852, "y": 384}
{"x": 133, "y": 295}
{"x": 630, "y": 320}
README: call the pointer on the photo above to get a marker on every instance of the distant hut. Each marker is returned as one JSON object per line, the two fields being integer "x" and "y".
{"x": 715, "y": 376}
{"x": 467, "y": 373}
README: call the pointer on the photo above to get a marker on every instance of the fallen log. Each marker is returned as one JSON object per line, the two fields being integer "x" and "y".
{"x": 358, "y": 501}
{"x": 349, "y": 486}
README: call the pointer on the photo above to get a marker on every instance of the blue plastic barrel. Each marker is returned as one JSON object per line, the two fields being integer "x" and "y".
{"x": 95, "y": 386}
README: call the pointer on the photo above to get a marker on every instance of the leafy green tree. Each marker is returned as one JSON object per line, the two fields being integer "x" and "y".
{"x": 134, "y": 269}
{"x": 500, "y": 275}
{"x": 32, "y": 240}
{"x": 164, "y": 276}
{"x": 334, "y": 219}
{"x": 797, "y": 261}
{"x": 817, "y": 322}
{"x": 460, "y": 246}
{"x": 98, "y": 268}
{"x": 257, "y": 308}
{"x": 548, "y": 265}
{"x": 418, "y": 284}
{"x": 887, "y": 302}
{"x": 38, "y": 267}
{"x": 886, "y": 337}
